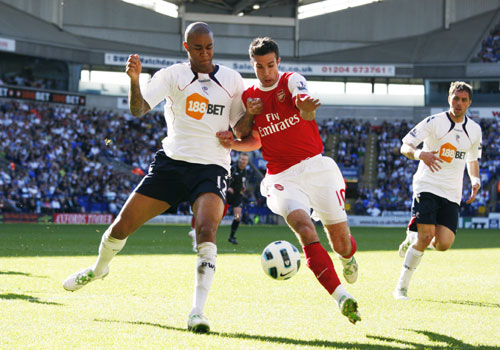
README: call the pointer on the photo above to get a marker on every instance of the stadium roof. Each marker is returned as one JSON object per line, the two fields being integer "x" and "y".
{"x": 82, "y": 41}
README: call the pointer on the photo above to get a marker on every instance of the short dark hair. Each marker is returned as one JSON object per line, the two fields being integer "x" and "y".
{"x": 197, "y": 28}
{"x": 263, "y": 46}
{"x": 460, "y": 86}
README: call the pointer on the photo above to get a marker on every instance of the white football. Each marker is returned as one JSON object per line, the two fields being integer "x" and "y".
{"x": 280, "y": 260}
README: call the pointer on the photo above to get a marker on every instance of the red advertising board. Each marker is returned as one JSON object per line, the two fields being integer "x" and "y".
{"x": 83, "y": 218}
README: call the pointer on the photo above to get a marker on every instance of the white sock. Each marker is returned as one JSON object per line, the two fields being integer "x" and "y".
{"x": 412, "y": 259}
{"x": 412, "y": 236}
{"x": 204, "y": 275}
{"x": 108, "y": 248}
{"x": 339, "y": 293}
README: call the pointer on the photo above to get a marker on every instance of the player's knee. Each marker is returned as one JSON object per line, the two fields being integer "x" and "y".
{"x": 206, "y": 232}
{"x": 342, "y": 245}
{"x": 442, "y": 246}
{"x": 306, "y": 232}
{"x": 425, "y": 238}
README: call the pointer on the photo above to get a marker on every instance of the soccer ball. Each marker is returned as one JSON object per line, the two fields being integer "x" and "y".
{"x": 280, "y": 260}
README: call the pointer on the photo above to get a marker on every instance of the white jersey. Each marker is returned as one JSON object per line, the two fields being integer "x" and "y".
{"x": 197, "y": 106}
{"x": 457, "y": 144}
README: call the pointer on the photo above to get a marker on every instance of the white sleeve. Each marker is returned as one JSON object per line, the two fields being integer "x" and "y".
{"x": 297, "y": 85}
{"x": 419, "y": 132}
{"x": 237, "y": 107}
{"x": 476, "y": 148}
{"x": 157, "y": 88}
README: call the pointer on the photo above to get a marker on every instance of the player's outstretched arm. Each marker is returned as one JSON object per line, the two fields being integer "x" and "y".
{"x": 473, "y": 170}
{"x": 248, "y": 144}
{"x": 307, "y": 106}
{"x": 138, "y": 106}
{"x": 429, "y": 158}
{"x": 244, "y": 126}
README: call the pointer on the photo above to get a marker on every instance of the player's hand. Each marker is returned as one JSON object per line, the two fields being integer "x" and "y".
{"x": 254, "y": 106}
{"x": 307, "y": 103}
{"x": 133, "y": 68}
{"x": 431, "y": 160}
{"x": 226, "y": 138}
{"x": 474, "y": 191}
{"x": 230, "y": 190}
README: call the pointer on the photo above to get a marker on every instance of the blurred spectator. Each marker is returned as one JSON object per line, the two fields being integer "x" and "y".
{"x": 490, "y": 47}
{"x": 65, "y": 159}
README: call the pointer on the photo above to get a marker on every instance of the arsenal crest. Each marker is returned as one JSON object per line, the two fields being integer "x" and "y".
{"x": 281, "y": 95}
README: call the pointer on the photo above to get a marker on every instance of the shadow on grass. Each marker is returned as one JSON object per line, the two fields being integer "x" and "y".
{"x": 446, "y": 341}
{"x": 449, "y": 342}
{"x": 17, "y": 273}
{"x": 463, "y": 302}
{"x": 28, "y": 298}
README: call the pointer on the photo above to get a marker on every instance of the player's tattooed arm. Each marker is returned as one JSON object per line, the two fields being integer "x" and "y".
{"x": 138, "y": 106}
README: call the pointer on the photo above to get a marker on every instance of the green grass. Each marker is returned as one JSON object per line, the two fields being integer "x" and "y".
{"x": 144, "y": 302}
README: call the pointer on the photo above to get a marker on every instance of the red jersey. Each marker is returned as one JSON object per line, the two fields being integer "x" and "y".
{"x": 286, "y": 138}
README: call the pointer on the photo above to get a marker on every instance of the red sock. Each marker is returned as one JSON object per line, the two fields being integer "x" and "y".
{"x": 354, "y": 247}
{"x": 192, "y": 222}
{"x": 319, "y": 261}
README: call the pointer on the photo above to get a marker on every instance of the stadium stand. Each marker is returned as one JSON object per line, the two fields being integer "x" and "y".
{"x": 67, "y": 159}
{"x": 490, "y": 47}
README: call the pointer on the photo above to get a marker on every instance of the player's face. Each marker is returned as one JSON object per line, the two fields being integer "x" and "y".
{"x": 266, "y": 68}
{"x": 242, "y": 162}
{"x": 200, "y": 49}
{"x": 459, "y": 102}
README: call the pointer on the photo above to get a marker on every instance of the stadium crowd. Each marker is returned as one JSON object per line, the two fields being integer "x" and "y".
{"x": 490, "y": 47}
{"x": 68, "y": 159}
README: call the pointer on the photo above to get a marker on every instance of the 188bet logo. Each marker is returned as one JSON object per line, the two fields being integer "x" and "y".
{"x": 448, "y": 152}
{"x": 197, "y": 106}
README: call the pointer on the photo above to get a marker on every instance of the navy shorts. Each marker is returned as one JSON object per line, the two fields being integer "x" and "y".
{"x": 234, "y": 199}
{"x": 175, "y": 181}
{"x": 427, "y": 208}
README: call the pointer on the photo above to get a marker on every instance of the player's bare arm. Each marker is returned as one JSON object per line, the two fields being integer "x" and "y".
{"x": 307, "y": 106}
{"x": 473, "y": 171}
{"x": 429, "y": 158}
{"x": 247, "y": 144}
{"x": 245, "y": 124}
{"x": 138, "y": 106}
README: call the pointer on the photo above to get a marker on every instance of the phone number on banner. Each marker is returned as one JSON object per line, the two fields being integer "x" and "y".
{"x": 359, "y": 70}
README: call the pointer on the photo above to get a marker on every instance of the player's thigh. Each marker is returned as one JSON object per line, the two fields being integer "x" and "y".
{"x": 138, "y": 209}
{"x": 326, "y": 190}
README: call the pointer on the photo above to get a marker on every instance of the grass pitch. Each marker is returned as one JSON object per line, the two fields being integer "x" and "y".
{"x": 144, "y": 302}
